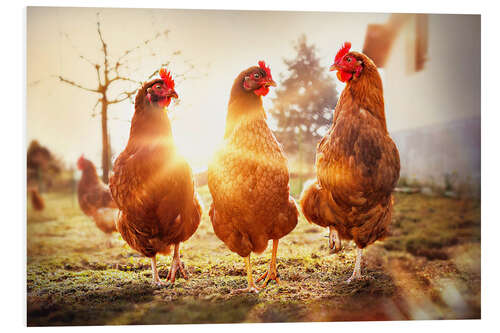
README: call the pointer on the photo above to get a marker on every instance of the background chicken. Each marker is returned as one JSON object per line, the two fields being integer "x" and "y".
{"x": 37, "y": 201}
{"x": 357, "y": 163}
{"x": 41, "y": 167}
{"x": 152, "y": 184}
{"x": 248, "y": 177}
{"x": 95, "y": 198}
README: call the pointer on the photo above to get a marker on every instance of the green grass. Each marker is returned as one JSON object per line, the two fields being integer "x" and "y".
{"x": 429, "y": 268}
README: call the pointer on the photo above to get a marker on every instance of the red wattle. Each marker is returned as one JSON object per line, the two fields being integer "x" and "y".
{"x": 262, "y": 91}
{"x": 164, "y": 102}
{"x": 344, "y": 76}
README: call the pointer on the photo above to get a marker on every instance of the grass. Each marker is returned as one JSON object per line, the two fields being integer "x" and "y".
{"x": 428, "y": 269}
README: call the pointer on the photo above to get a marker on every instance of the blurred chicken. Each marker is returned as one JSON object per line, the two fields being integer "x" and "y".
{"x": 42, "y": 167}
{"x": 95, "y": 198}
{"x": 152, "y": 184}
{"x": 248, "y": 177}
{"x": 37, "y": 201}
{"x": 357, "y": 163}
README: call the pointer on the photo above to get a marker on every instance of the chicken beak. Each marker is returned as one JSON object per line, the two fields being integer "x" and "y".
{"x": 271, "y": 83}
{"x": 173, "y": 94}
{"x": 333, "y": 68}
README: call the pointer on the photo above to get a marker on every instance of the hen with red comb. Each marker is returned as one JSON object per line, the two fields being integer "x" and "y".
{"x": 357, "y": 163}
{"x": 152, "y": 183}
{"x": 248, "y": 177}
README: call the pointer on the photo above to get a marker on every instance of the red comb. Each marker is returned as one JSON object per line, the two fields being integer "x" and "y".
{"x": 167, "y": 78}
{"x": 343, "y": 51}
{"x": 262, "y": 64}
{"x": 80, "y": 162}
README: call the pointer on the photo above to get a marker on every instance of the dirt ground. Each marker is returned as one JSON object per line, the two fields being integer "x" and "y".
{"x": 428, "y": 269}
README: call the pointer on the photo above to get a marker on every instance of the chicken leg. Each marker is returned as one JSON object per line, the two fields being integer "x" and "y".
{"x": 356, "y": 274}
{"x": 272, "y": 273}
{"x": 252, "y": 287}
{"x": 177, "y": 265}
{"x": 334, "y": 239}
{"x": 156, "y": 277}
{"x": 109, "y": 241}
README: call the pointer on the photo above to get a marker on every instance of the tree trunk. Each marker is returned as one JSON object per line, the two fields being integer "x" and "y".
{"x": 105, "y": 141}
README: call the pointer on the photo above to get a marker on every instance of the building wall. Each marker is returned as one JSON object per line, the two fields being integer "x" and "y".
{"x": 429, "y": 112}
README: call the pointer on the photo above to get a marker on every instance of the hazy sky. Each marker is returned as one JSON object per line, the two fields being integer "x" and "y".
{"x": 218, "y": 43}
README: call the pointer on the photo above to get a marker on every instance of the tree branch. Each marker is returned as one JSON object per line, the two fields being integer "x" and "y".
{"x": 128, "y": 95}
{"x": 104, "y": 50}
{"x": 95, "y": 105}
{"x": 165, "y": 64}
{"x": 98, "y": 70}
{"x": 77, "y": 85}
{"x": 138, "y": 46}
{"x": 79, "y": 54}
{"x": 121, "y": 78}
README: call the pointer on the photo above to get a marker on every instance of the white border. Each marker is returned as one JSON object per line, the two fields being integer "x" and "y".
{"x": 12, "y": 116}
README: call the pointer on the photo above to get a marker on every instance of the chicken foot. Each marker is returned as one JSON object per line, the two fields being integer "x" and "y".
{"x": 156, "y": 277}
{"x": 252, "y": 287}
{"x": 356, "y": 274}
{"x": 334, "y": 239}
{"x": 109, "y": 241}
{"x": 272, "y": 273}
{"x": 177, "y": 265}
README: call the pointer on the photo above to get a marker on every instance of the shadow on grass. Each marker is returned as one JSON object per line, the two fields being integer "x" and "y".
{"x": 85, "y": 307}
{"x": 134, "y": 306}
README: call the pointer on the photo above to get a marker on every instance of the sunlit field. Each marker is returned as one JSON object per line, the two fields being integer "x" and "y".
{"x": 428, "y": 269}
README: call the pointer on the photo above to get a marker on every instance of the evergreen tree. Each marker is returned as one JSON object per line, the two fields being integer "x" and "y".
{"x": 304, "y": 102}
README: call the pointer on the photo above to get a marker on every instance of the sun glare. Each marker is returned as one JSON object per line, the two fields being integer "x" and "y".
{"x": 197, "y": 144}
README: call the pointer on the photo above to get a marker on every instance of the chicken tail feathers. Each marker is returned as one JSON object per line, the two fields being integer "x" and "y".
{"x": 105, "y": 219}
{"x": 314, "y": 203}
{"x": 139, "y": 241}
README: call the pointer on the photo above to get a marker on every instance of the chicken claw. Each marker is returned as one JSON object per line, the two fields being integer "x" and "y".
{"x": 356, "y": 274}
{"x": 156, "y": 278}
{"x": 272, "y": 272}
{"x": 177, "y": 265}
{"x": 334, "y": 240}
{"x": 252, "y": 287}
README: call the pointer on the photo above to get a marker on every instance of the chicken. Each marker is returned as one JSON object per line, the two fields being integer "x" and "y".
{"x": 153, "y": 184}
{"x": 37, "y": 201}
{"x": 248, "y": 177}
{"x": 357, "y": 163}
{"x": 95, "y": 198}
{"x": 42, "y": 168}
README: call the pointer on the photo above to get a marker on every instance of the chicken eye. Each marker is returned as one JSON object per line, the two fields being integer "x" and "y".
{"x": 256, "y": 75}
{"x": 348, "y": 59}
{"x": 158, "y": 87}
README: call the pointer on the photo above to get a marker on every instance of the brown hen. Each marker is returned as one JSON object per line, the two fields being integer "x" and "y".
{"x": 248, "y": 177}
{"x": 152, "y": 184}
{"x": 357, "y": 163}
{"x": 95, "y": 198}
{"x": 37, "y": 201}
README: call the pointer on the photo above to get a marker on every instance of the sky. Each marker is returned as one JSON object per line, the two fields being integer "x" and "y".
{"x": 218, "y": 44}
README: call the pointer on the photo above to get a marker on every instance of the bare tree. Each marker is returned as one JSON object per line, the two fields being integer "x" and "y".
{"x": 109, "y": 72}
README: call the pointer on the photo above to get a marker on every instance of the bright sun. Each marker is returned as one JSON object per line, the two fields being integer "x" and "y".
{"x": 197, "y": 140}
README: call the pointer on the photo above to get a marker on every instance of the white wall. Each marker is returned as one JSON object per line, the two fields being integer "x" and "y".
{"x": 434, "y": 114}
